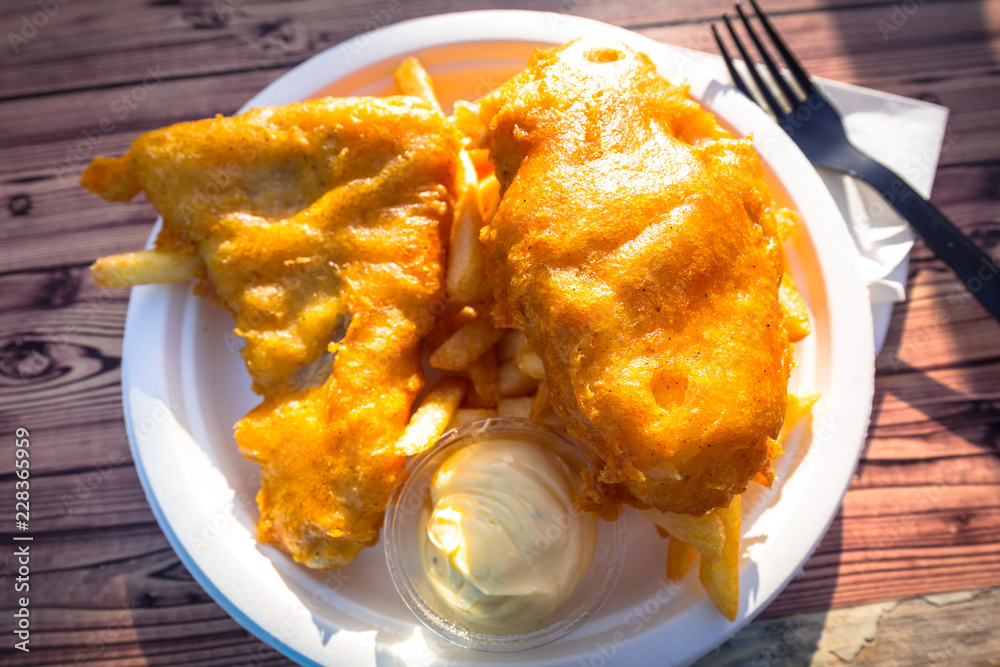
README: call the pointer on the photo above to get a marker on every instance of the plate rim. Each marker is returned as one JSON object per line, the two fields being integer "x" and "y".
{"x": 461, "y": 28}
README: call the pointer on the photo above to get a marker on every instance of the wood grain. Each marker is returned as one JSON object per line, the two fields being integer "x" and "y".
{"x": 922, "y": 514}
{"x": 199, "y": 38}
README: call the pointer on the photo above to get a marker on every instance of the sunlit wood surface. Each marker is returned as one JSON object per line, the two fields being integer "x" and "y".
{"x": 921, "y": 517}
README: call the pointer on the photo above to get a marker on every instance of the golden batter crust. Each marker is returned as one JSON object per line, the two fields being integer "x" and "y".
{"x": 308, "y": 216}
{"x": 636, "y": 246}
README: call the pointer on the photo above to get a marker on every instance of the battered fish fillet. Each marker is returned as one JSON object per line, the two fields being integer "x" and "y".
{"x": 308, "y": 216}
{"x": 636, "y": 246}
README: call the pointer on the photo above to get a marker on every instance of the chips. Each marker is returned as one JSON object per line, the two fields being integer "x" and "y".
{"x": 507, "y": 346}
{"x": 466, "y": 415}
{"x": 704, "y": 533}
{"x": 720, "y": 576}
{"x": 446, "y": 326}
{"x": 514, "y": 382}
{"x": 680, "y": 556}
{"x": 466, "y": 275}
{"x": 525, "y": 358}
{"x": 466, "y": 345}
{"x": 794, "y": 309}
{"x": 515, "y": 407}
{"x": 485, "y": 376}
{"x": 489, "y": 196}
{"x": 797, "y": 407}
{"x": 788, "y": 222}
{"x": 540, "y": 405}
{"x": 146, "y": 267}
{"x": 432, "y": 417}
{"x": 413, "y": 79}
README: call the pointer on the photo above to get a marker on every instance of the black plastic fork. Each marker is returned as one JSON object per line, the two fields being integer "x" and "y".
{"x": 816, "y": 126}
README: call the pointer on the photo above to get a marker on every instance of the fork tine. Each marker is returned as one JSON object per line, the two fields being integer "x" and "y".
{"x": 799, "y": 72}
{"x": 790, "y": 96}
{"x": 733, "y": 74}
{"x": 764, "y": 90}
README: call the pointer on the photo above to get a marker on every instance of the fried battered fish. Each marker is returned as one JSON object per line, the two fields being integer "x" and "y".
{"x": 636, "y": 246}
{"x": 308, "y": 216}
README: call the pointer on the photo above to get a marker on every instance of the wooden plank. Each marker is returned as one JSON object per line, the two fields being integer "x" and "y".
{"x": 142, "y": 608}
{"x": 951, "y": 412}
{"x": 976, "y": 469}
{"x": 911, "y": 500}
{"x": 939, "y": 320}
{"x": 68, "y": 129}
{"x": 100, "y": 496}
{"x": 152, "y": 580}
{"x": 971, "y": 194}
{"x": 80, "y": 550}
{"x": 854, "y": 578}
{"x": 78, "y": 44}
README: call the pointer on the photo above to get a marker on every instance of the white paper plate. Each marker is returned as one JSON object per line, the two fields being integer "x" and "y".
{"x": 185, "y": 385}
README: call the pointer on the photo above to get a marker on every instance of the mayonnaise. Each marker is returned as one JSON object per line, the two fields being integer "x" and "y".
{"x": 503, "y": 542}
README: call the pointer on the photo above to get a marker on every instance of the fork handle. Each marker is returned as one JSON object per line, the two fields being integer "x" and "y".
{"x": 978, "y": 272}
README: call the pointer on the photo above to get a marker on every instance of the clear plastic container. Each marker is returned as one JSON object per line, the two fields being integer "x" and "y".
{"x": 404, "y": 520}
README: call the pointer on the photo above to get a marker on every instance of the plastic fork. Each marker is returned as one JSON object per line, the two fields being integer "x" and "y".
{"x": 816, "y": 126}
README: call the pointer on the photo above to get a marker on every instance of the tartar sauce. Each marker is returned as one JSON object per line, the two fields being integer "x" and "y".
{"x": 502, "y": 540}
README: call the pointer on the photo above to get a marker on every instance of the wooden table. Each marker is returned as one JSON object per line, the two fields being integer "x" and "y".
{"x": 922, "y": 515}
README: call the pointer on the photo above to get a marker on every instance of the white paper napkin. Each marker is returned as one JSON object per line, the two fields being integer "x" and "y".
{"x": 906, "y": 136}
{"x": 903, "y": 134}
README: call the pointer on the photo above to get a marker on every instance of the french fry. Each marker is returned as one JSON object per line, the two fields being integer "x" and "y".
{"x": 550, "y": 418}
{"x": 465, "y": 346}
{"x": 146, "y": 267}
{"x": 466, "y": 272}
{"x": 466, "y": 118}
{"x": 796, "y": 408}
{"x": 485, "y": 377}
{"x": 540, "y": 405}
{"x": 720, "y": 576}
{"x": 680, "y": 555}
{"x": 507, "y": 346}
{"x": 526, "y": 359}
{"x": 794, "y": 310}
{"x": 515, "y": 407}
{"x": 704, "y": 533}
{"x": 541, "y": 408}
{"x": 413, "y": 79}
{"x": 432, "y": 417}
{"x": 472, "y": 401}
{"x": 446, "y": 326}
{"x": 489, "y": 196}
{"x": 788, "y": 222}
{"x": 514, "y": 383}
{"x": 466, "y": 415}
